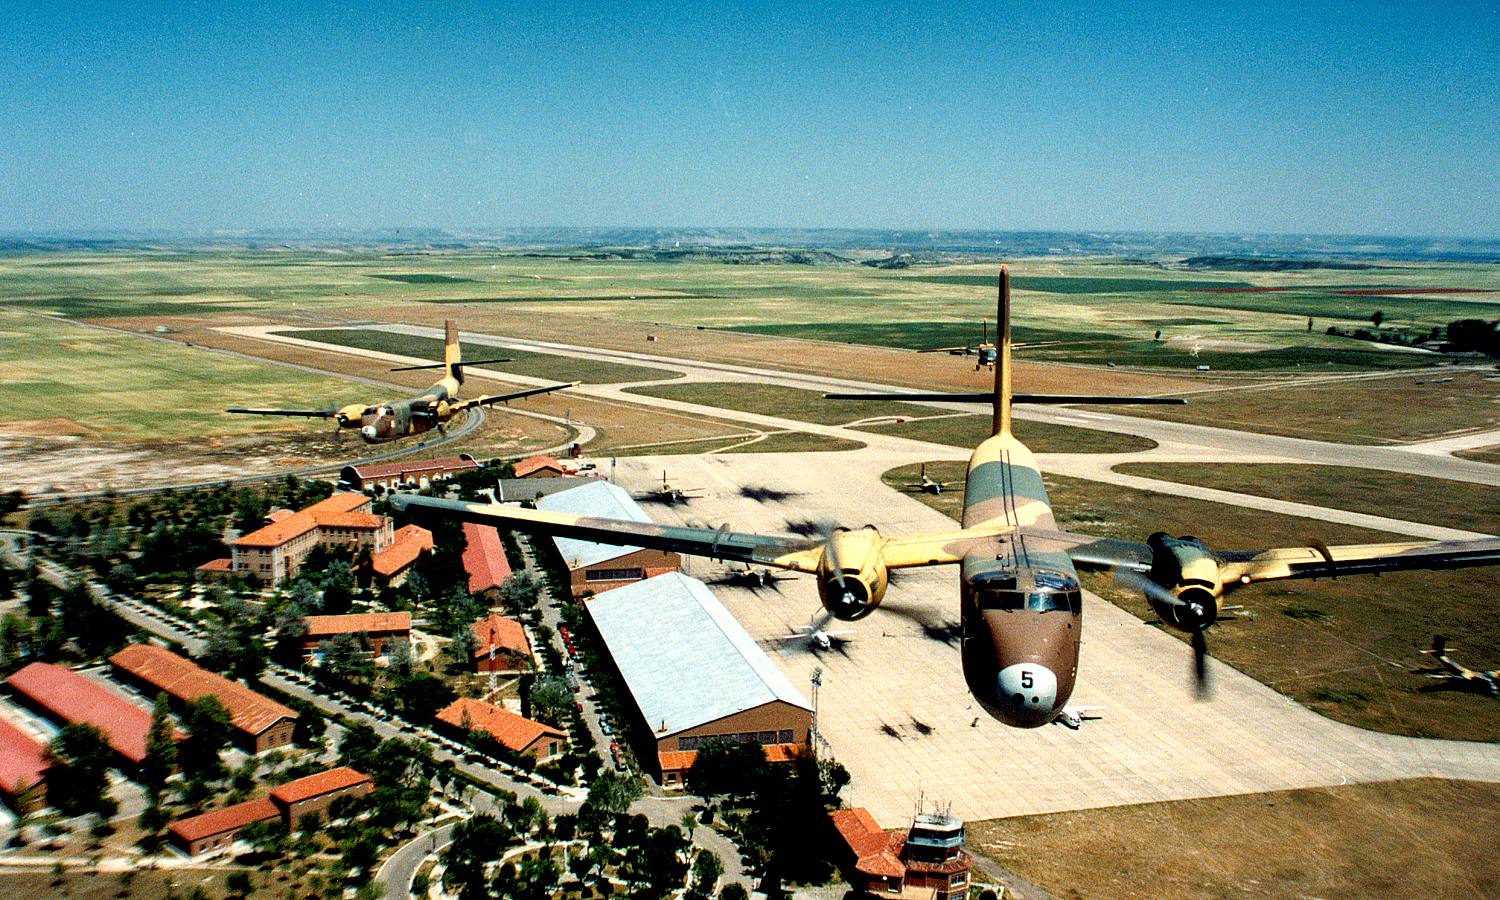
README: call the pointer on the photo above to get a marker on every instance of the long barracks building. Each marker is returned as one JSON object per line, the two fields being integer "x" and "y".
{"x": 259, "y": 723}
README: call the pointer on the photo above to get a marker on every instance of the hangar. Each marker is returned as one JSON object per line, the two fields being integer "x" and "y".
{"x": 694, "y": 673}
{"x": 599, "y": 567}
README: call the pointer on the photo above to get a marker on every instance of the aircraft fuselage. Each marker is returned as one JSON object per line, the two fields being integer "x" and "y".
{"x": 1021, "y": 607}
{"x": 400, "y": 418}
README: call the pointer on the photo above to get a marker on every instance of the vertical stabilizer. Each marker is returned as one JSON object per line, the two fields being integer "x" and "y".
{"x": 1002, "y": 356}
{"x": 452, "y": 356}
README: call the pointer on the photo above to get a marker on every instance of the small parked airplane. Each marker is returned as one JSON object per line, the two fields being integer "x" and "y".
{"x": 1458, "y": 676}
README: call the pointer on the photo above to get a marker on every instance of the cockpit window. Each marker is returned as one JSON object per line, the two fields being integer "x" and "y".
{"x": 1036, "y": 601}
{"x": 1000, "y": 599}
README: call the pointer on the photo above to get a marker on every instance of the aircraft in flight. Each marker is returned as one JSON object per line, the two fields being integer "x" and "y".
{"x": 984, "y": 351}
{"x": 1020, "y": 601}
{"x": 433, "y": 408}
{"x": 1458, "y": 676}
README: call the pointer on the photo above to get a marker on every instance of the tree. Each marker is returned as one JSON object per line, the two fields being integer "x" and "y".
{"x": 161, "y": 749}
{"x": 238, "y": 883}
{"x": 345, "y": 659}
{"x": 419, "y": 697}
{"x": 727, "y": 768}
{"x": 206, "y": 722}
{"x": 78, "y": 783}
{"x": 476, "y": 841}
{"x": 734, "y": 891}
{"x": 1376, "y": 318}
{"x": 398, "y": 658}
{"x": 464, "y": 644}
{"x": 550, "y": 700}
{"x": 707, "y": 869}
{"x": 612, "y": 792}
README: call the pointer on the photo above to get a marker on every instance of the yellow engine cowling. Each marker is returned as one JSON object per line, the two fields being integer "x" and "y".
{"x": 852, "y": 576}
{"x": 1191, "y": 574}
{"x": 351, "y": 416}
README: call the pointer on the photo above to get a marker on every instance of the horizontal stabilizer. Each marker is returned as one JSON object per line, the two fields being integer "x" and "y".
{"x": 477, "y": 362}
{"x": 987, "y": 397}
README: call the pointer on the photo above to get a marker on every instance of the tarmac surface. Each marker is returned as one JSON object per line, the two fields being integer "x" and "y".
{"x": 893, "y": 707}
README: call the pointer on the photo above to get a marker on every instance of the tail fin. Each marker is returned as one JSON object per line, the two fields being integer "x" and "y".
{"x": 453, "y": 365}
{"x": 1002, "y": 355}
{"x": 1439, "y": 646}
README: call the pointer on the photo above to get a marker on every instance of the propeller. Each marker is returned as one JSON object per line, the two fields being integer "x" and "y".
{"x": 1192, "y": 616}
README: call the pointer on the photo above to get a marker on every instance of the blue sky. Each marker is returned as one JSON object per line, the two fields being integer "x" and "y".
{"x": 1362, "y": 118}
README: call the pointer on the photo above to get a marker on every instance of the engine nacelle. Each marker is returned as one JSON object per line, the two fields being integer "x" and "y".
{"x": 1189, "y": 573}
{"x": 852, "y": 577}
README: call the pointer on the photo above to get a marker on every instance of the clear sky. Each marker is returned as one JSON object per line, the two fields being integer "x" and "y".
{"x": 1365, "y": 118}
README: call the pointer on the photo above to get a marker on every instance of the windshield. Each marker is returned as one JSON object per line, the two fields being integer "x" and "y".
{"x": 1036, "y": 601}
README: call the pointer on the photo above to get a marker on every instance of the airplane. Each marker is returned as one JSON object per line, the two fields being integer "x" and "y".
{"x": 668, "y": 495}
{"x": 1020, "y": 601}
{"x": 1458, "y": 676}
{"x": 927, "y": 485}
{"x": 753, "y": 578}
{"x": 816, "y": 633}
{"x": 1074, "y": 716}
{"x": 984, "y": 350}
{"x": 430, "y": 409}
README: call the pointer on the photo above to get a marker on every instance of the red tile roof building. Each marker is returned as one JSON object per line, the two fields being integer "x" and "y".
{"x": 502, "y": 646}
{"x": 516, "y": 733}
{"x": 276, "y": 552}
{"x": 313, "y": 794}
{"x": 217, "y": 829}
{"x": 260, "y": 723}
{"x": 67, "y": 697}
{"x": 484, "y": 558}
{"x": 926, "y": 863}
{"x": 391, "y": 565}
{"x": 539, "y": 467}
{"x": 377, "y": 628}
{"x": 23, "y": 768}
{"x": 674, "y": 764}
{"x": 419, "y": 473}
{"x": 290, "y": 802}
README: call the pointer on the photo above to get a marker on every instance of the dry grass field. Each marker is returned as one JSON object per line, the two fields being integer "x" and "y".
{"x": 1041, "y": 437}
{"x": 1345, "y": 648}
{"x": 1456, "y": 504}
{"x": 1417, "y": 838}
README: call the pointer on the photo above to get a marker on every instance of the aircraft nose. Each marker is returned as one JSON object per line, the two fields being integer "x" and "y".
{"x": 367, "y": 432}
{"x": 1028, "y": 688}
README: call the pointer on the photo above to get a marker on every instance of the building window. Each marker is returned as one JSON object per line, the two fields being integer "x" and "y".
{"x": 784, "y": 736}
{"x": 614, "y": 574}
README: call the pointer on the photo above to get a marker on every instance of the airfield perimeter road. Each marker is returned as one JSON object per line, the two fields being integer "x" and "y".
{"x": 893, "y": 705}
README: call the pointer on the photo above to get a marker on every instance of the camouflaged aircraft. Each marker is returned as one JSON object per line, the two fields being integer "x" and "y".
{"x": 984, "y": 352}
{"x": 1021, "y": 605}
{"x": 393, "y": 419}
{"x": 1457, "y": 676}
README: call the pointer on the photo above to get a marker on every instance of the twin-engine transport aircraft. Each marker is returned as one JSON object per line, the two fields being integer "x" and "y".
{"x": 1020, "y": 600}
{"x": 430, "y": 409}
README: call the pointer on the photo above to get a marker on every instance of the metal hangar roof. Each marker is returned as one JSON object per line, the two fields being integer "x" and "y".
{"x": 684, "y": 658}
{"x": 598, "y": 498}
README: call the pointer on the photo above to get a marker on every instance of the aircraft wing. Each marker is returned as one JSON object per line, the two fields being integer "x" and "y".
{"x": 947, "y": 349}
{"x": 1317, "y": 561}
{"x": 488, "y": 399}
{"x": 939, "y": 548}
{"x": 800, "y": 554}
{"x": 308, "y": 413}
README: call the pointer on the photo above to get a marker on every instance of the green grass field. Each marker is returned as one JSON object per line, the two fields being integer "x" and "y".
{"x": 127, "y": 387}
{"x": 1343, "y": 647}
{"x": 534, "y": 365}
{"x": 1455, "y": 504}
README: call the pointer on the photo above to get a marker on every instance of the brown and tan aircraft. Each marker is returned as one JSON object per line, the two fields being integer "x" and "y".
{"x": 984, "y": 351}
{"x": 393, "y": 419}
{"x": 1457, "y": 676}
{"x": 1019, "y": 596}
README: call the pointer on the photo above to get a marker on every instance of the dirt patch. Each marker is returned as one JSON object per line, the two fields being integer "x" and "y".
{"x": 44, "y": 427}
{"x": 1412, "y": 838}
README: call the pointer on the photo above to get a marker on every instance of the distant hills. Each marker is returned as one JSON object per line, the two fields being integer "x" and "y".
{"x": 831, "y": 246}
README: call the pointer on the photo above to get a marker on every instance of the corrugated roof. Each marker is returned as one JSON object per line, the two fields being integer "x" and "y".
{"x": 684, "y": 658}
{"x": 230, "y": 818}
{"x": 22, "y": 759}
{"x": 511, "y": 730}
{"x": 406, "y": 545}
{"x": 599, "y": 498}
{"x": 357, "y": 623}
{"x": 184, "y": 679}
{"x": 70, "y": 697}
{"x": 501, "y": 633}
{"x": 317, "y": 785}
{"x": 484, "y": 557}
